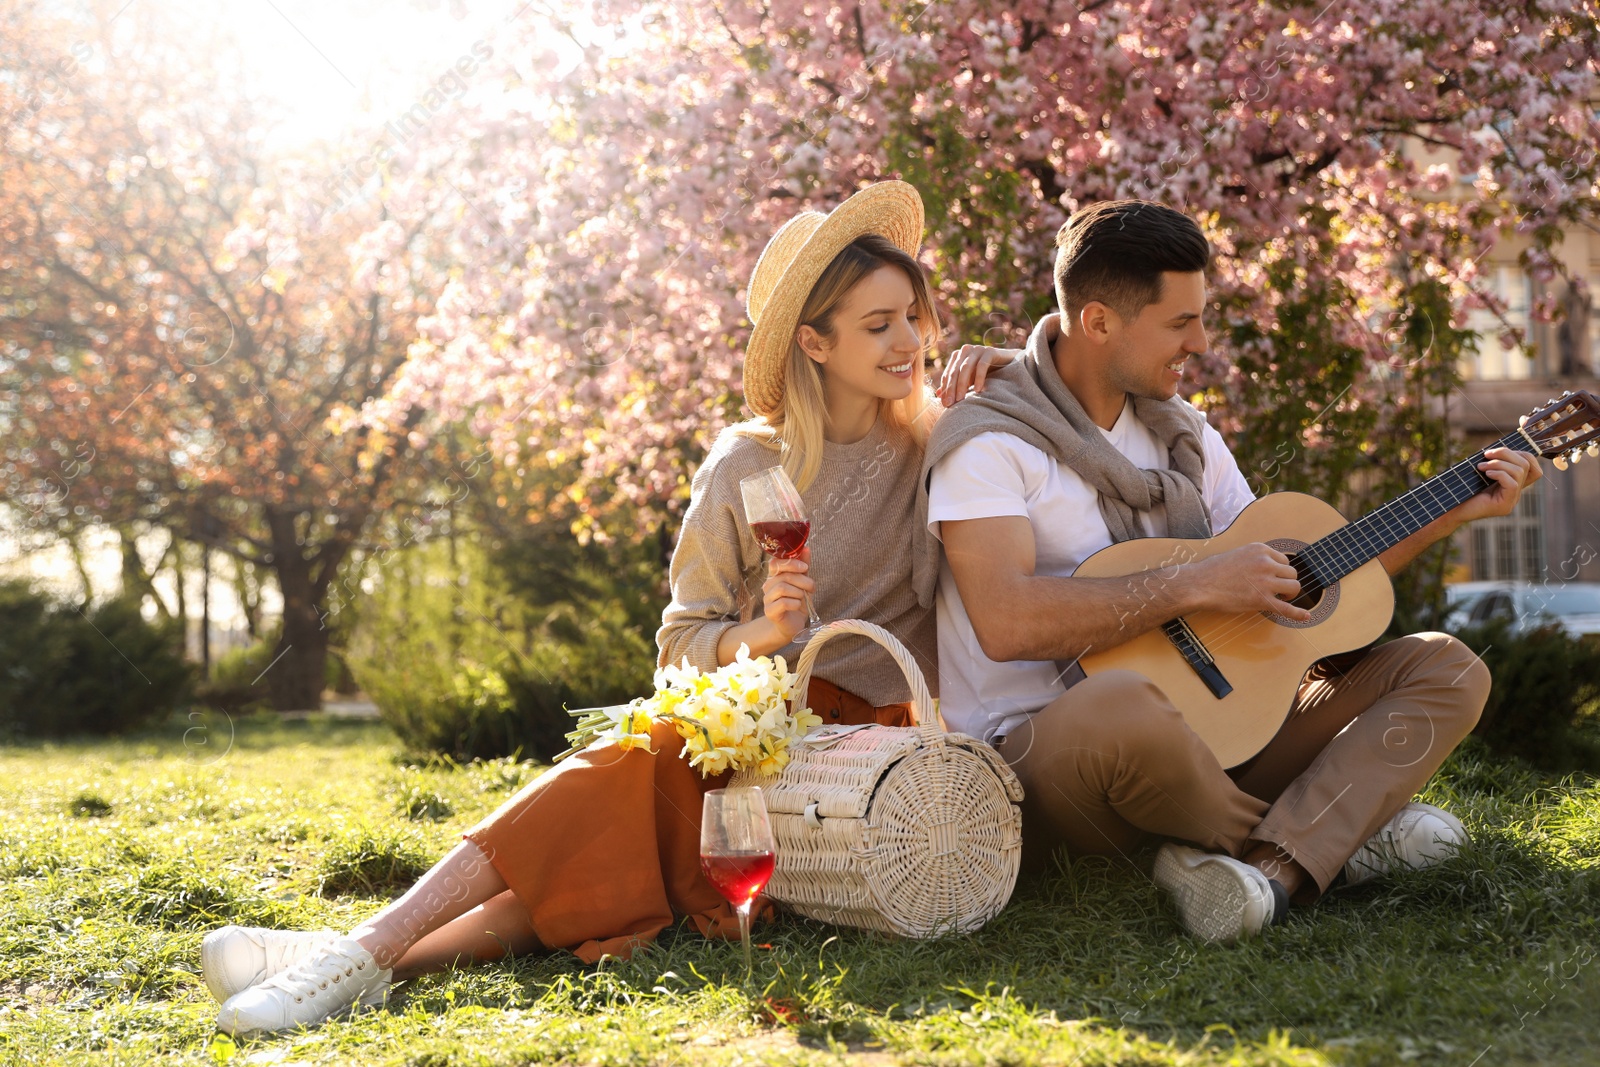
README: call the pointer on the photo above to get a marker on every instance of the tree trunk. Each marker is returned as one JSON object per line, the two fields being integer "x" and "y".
{"x": 247, "y": 585}
{"x": 300, "y": 660}
{"x": 176, "y": 549}
{"x": 81, "y": 562}
{"x": 205, "y": 608}
{"x": 136, "y": 581}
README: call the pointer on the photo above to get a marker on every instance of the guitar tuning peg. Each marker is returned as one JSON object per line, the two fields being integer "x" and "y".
{"x": 1576, "y": 454}
{"x": 1594, "y": 448}
{"x": 1560, "y": 462}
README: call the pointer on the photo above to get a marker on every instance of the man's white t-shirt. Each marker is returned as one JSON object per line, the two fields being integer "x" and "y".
{"x": 996, "y": 474}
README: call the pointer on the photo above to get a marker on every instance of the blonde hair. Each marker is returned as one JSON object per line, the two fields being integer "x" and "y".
{"x": 796, "y": 427}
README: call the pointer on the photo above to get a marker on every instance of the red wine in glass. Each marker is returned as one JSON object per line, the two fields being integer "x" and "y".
{"x": 777, "y": 518}
{"x": 738, "y": 876}
{"x": 783, "y": 538}
{"x": 737, "y": 851}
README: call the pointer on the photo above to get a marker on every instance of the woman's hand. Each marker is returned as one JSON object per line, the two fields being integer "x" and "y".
{"x": 783, "y": 610}
{"x": 967, "y": 367}
{"x": 783, "y": 594}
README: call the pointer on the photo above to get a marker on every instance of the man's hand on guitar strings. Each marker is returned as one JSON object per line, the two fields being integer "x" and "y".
{"x": 1253, "y": 577}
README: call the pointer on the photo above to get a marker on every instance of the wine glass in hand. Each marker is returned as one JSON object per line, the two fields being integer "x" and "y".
{"x": 737, "y": 851}
{"x": 777, "y": 517}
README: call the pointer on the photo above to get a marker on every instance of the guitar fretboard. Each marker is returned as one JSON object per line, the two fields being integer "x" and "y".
{"x": 1348, "y": 547}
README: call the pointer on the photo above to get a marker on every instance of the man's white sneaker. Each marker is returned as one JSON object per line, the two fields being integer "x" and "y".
{"x": 1218, "y": 897}
{"x": 235, "y": 958}
{"x": 328, "y": 981}
{"x": 1419, "y": 835}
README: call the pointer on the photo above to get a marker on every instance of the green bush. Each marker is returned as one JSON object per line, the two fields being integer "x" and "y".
{"x": 461, "y": 712}
{"x": 236, "y": 683}
{"x": 1544, "y": 704}
{"x": 233, "y": 685}
{"x": 459, "y": 666}
{"x": 607, "y": 662}
{"x": 472, "y": 711}
{"x": 65, "y": 671}
{"x": 242, "y": 666}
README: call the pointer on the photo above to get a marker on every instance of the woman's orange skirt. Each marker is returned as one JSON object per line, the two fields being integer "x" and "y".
{"x": 603, "y": 850}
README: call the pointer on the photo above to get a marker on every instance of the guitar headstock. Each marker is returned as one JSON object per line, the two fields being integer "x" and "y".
{"x": 1564, "y": 428}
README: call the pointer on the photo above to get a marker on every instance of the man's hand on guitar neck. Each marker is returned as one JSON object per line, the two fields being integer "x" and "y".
{"x": 1511, "y": 473}
{"x": 1017, "y": 615}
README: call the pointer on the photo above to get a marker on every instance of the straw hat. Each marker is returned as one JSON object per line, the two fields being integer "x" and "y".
{"x": 793, "y": 261}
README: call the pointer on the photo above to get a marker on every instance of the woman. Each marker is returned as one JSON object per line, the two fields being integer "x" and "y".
{"x": 602, "y": 852}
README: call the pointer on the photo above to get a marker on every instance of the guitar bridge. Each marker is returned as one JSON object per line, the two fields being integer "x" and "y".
{"x": 1194, "y": 653}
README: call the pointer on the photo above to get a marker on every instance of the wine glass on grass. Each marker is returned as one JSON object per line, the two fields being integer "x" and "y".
{"x": 737, "y": 851}
{"x": 777, "y": 517}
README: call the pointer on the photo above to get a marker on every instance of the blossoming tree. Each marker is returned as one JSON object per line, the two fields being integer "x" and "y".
{"x": 187, "y": 316}
{"x": 603, "y": 301}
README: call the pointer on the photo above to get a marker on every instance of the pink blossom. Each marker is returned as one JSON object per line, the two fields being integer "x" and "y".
{"x": 596, "y": 307}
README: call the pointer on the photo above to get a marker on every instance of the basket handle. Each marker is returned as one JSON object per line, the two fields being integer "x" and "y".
{"x": 921, "y": 699}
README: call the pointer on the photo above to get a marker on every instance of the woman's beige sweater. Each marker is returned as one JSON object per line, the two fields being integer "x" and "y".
{"x": 862, "y": 511}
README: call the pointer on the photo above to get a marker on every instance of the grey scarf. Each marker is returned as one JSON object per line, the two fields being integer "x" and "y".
{"x": 1028, "y": 399}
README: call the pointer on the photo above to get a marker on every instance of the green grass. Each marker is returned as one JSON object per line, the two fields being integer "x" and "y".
{"x": 116, "y": 857}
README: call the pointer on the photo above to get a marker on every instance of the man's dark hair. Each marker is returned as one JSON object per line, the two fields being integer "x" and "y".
{"x": 1115, "y": 252}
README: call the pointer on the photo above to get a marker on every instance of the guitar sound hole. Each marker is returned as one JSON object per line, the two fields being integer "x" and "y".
{"x": 1309, "y": 598}
{"x": 1311, "y": 593}
{"x": 1321, "y": 601}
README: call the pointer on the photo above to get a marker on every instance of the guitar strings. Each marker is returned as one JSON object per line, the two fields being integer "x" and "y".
{"x": 1353, "y": 545}
{"x": 1393, "y": 521}
{"x": 1345, "y": 546}
{"x": 1342, "y": 557}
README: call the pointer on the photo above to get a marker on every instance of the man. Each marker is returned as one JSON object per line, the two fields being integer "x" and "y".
{"x": 1083, "y": 442}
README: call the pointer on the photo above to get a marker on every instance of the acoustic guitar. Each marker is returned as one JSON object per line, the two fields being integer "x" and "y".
{"x": 1235, "y": 676}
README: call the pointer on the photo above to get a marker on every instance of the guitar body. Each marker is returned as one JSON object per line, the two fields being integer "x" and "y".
{"x": 1262, "y": 655}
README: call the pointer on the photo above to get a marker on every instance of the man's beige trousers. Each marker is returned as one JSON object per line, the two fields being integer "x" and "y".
{"x": 1111, "y": 764}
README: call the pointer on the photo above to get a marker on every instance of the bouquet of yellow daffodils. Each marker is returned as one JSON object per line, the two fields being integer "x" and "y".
{"x": 734, "y": 717}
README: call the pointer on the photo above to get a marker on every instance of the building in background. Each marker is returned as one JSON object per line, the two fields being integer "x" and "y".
{"x": 1554, "y": 533}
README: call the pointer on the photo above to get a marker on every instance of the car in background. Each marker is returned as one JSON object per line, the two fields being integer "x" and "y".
{"x": 1527, "y": 605}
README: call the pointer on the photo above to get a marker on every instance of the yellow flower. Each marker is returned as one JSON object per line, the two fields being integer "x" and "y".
{"x": 629, "y": 742}
{"x": 675, "y": 676}
{"x": 712, "y": 760}
{"x": 734, "y": 717}
{"x": 631, "y": 727}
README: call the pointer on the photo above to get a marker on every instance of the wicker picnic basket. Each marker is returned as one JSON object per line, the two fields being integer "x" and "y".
{"x": 904, "y": 830}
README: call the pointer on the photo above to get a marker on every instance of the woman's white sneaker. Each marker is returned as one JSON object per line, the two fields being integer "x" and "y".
{"x": 1419, "y": 835}
{"x": 1218, "y": 897}
{"x": 235, "y": 958}
{"x": 328, "y": 981}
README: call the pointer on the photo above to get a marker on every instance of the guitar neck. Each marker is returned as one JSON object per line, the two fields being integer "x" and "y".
{"x": 1351, "y": 546}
